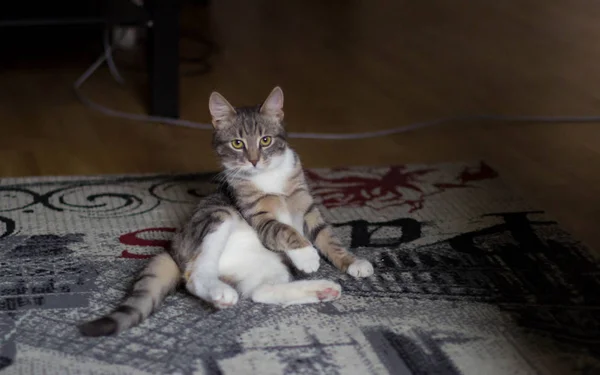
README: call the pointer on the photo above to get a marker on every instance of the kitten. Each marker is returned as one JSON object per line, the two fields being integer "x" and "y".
{"x": 239, "y": 239}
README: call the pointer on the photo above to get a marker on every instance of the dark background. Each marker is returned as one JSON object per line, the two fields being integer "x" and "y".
{"x": 345, "y": 66}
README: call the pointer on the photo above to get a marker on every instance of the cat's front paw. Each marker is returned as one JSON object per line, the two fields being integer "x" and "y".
{"x": 305, "y": 259}
{"x": 360, "y": 268}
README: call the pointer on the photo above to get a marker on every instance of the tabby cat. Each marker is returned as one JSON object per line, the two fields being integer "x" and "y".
{"x": 239, "y": 239}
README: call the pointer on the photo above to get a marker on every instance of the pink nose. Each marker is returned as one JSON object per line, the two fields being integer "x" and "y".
{"x": 254, "y": 162}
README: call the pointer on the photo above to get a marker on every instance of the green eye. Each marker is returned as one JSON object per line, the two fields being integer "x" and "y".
{"x": 265, "y": 141}
{"x": 237, "y": 144}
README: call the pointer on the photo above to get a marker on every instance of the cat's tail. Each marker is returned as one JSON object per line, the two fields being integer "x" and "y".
{"x": 160, "y": 277}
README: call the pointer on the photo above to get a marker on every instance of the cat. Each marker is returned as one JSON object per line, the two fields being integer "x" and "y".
{"x": 241, "y": 239}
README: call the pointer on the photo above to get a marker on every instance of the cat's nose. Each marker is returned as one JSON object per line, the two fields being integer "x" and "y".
{"x": 254, "y": 162}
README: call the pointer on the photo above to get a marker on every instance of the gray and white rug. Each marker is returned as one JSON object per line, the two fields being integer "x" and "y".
{"x": 469, "y": 279}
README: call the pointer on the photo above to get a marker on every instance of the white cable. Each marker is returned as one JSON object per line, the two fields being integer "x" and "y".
{"x": 108, "y": 50}
{"x": 107, "y": 57}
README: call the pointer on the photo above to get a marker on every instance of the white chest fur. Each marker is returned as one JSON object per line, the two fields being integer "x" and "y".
{"x": 274, "y": 180}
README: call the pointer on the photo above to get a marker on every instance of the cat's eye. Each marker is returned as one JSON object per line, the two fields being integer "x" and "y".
{"x": 265, "y": 141}
{"x": 237, "y": 144}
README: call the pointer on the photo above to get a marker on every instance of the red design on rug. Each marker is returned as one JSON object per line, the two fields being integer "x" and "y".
{"x": 132, "y": 239}
{"x": 364, "y": 188}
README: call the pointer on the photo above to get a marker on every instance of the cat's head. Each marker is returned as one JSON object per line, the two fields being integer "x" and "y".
{"x": 249, "y": 140}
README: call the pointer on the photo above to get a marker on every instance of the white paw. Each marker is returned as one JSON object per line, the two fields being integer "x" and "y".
{"x": 223, "y": 296}
{"x": 329, "y": 291}
{"x": 321, "y": 290}
{"x": 360, "y": 268}
{"x": 305, "y": 259}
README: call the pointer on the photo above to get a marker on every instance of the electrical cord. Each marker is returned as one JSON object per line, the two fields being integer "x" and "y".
{"x": 201, "y": 61}
{"x": 107, "y": 57}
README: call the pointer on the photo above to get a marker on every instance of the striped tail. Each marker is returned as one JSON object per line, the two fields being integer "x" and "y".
{"x": 160, "y": 277}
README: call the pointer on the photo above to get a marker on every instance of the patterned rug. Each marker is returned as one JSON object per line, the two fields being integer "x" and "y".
{"x": 469, "y": 279}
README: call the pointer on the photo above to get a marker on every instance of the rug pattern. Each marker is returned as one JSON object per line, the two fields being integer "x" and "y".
{"x": 469, "y": 279}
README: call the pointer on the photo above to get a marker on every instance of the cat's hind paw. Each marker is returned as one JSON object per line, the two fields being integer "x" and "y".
{"x": 319, "y": 290}
{"x": 223, "y": 296}
{"x": 360, "y": 268}
{"x": 329, "y": 294}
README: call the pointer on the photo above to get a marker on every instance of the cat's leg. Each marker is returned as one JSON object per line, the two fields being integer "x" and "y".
{"x": 269, "y": 273}
{"x": 269, "y": 216}
{"x": 297, "y": 292}
{"x": 262, "y": 275}
{"x": 210, "y": 237}
{"x": 321, "y": 234}
{"x": 247, "y": 264}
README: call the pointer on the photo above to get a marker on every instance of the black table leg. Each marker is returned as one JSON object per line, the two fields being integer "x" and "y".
{"x": 163, "y": 57}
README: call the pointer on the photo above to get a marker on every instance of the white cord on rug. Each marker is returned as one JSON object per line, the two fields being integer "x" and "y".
{"x": 107, "y": 57}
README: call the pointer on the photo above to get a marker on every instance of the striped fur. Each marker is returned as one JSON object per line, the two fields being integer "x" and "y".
{"x": 158, "y": 278}
{"x": 237, "y": 239}
{"x": 288, "y": 219}
{"x": 275, "y": 200}
{"x": 162, "y": 274}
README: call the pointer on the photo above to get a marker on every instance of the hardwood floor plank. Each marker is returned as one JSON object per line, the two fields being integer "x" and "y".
{"x": 347, "y": 67}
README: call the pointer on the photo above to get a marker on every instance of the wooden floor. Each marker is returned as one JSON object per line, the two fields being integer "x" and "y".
{"x": 349, "y": 66}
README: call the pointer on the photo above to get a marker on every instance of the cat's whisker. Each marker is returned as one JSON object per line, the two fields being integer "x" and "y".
{"x": 243, "y": 227}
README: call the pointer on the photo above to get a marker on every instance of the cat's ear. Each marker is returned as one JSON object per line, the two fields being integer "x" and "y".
{"x": 219, "y": 108}
{"x": 273, "y": 105}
